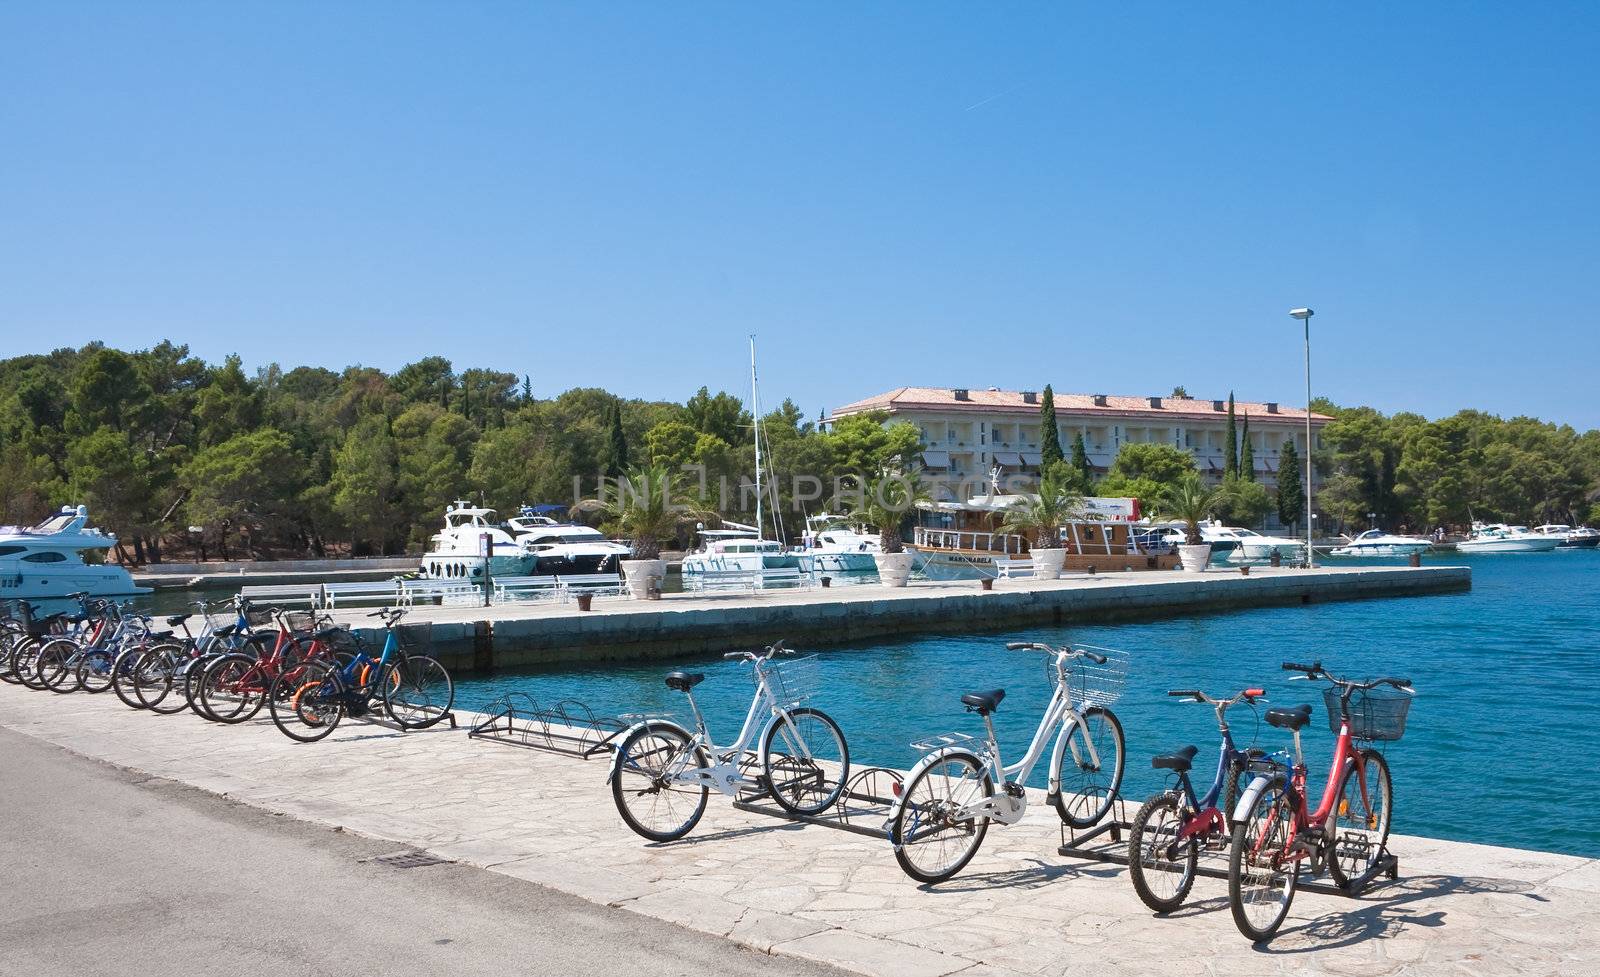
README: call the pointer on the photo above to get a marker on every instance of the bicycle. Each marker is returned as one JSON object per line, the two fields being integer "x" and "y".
{"x": 1275, "y": 836}
{"x": 57, "y": 667}
{"x": 234, "y": 686}
{"x": 308, "y": 700}
{"x": 1166, "y": 836}
{"x": 162, "y": 670}
{"x": 940, "y": 817}
{"x": 798, "y": 748}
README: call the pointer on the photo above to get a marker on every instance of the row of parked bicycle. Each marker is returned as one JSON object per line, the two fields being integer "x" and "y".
{"x": 1257, "y": 807}
{"x": 308, "y": 674}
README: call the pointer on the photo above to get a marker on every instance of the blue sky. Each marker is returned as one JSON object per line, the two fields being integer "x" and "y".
{"x": 1109, "y": 197}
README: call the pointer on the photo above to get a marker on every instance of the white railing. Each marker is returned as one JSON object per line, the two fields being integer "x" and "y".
{"x": 957, "y": 539}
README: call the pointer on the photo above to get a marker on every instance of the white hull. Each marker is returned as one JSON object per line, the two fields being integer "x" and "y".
{"x": 1520, "y": 545}
{"x": 1382, "y": 550}
{"x": 451, "y": 566}
{"x": 1264, "y": 551}
{"x": 697, "y": 563}
{"x": 857, "y": 562}
{"x": 94, "y": 579}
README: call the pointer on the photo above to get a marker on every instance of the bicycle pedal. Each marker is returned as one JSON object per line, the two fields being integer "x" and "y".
{"x": 1014, "y": 789}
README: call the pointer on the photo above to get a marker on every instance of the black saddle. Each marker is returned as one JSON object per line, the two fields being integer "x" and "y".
{"x": 177, "y": 619}
{"x": 1289, "y": 717}
{"x": 983, "y": 703}
{"x": 1178, "y": 762}
{"x": 158, "y": 635}
{"x": 225, "y": 630}
{"x": 684, "y": 681}
{"x": 326, "y": 633}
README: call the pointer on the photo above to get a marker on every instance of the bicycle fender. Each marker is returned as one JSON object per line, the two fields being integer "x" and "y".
{"x": 1059, "y": 751}
{"x": 1247, "y": 800}
{"x": 921, "y": 765}
{"x": 622, "y": 737}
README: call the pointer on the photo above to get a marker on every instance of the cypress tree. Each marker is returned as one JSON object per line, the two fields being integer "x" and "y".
{"x": 1230, "y": 448}
{"x": 1080, "y": 459}
{"x": 1247, "y": 454}
{"x": 1291, "y": 491}
{"x": 616, "y": 445}
{"x": 1049, "y": 437}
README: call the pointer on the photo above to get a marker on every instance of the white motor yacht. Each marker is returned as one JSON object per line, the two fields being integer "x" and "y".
{"x": 571, "y": 548}
{"x": 1254, "y": 545}
{"x": 1376, "y": 542}
{"x": 45, "y": 562}
{"x": 831, "y": 546}
{"x": 736, "y": 548}
{"x": 1501, "y": 538}
{"x": 1569, "y": 538}
{"x": 459, "y": 551}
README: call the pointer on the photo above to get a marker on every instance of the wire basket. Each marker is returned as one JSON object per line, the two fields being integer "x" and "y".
{"x": 302, "y": 620}
{"x": 1375, "y": 714}
{"x": 1092, "y": 683}
{"x": 259, "y": 617}
{"x": 416, "y": 639}
{"x": 795, "y": 681}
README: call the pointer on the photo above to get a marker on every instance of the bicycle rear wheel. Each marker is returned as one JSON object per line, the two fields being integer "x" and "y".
{"x": 307, "y": 701}
{"x": 932, "y": 839}
{"x": 805, "y": 761}
{"x": 1088, "y": 788}
{"x": 1362, "y": 822}
{"x": 152, "y": 678}
{"x": 1161, "y": 867}
{"x": 418, "y": 692}
{"x": 229, "y": 689}
{"x": 1261, "y": 878}
{"x": 96, "y": 669}
{"x": 57, "y": 666}
{"x": 647, "y": 796}
{"x": 24, "y": 660}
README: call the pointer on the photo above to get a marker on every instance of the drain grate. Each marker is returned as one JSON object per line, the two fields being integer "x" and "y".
{"x": 409, "y": 859}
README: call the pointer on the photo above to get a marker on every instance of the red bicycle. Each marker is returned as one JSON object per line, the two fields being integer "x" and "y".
{"x": 1276, "y": 838}
{"x": 234, "y": 687}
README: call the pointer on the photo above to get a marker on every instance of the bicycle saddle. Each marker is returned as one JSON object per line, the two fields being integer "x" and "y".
{"x": 178, "y": 619}
{"x": 158, "y": 635}
{"x": 983, "y": 703}
{"x": 225, "y": 630}
{"x": 1289, "y": 717}
{"x": 684, "y": 681}
{"x": 325, "y": 633}
{"x": 1178, "y": 762}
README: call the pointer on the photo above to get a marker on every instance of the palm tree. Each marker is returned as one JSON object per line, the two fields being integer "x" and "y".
{"x": 651, "y": 504}
{"x": 1191, "y": 501}
{"x": 883, "y": 503}
{"x": 1041, "y": 517}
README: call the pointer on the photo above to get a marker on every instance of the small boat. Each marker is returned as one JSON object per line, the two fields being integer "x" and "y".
{"x": 830, "y": 545}
{"x": 1501, "y": 538}
{"x": 1569, "y": 538}
{"x": 45, "y": 562}
{"x": 564, "y": 547}
{"x": 1376, "y": 542}
{"x": 1258, "y": 546}
{"x": 459, "y": 551}
{"x": 737, "y": 548}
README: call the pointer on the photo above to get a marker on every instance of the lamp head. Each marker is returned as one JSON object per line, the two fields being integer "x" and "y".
{"x": 1301, "y": 313}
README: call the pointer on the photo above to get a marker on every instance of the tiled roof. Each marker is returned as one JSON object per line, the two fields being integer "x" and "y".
{"x": 1010, "y": 401}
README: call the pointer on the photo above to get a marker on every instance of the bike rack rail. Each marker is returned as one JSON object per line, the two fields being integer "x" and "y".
{"x": 569, "y": 726}
{"x": 1213, "y": 863}
{"x": 862, "y": 808}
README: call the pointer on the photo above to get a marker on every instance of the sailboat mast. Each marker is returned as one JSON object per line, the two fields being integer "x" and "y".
{"x": 755, "y": 429}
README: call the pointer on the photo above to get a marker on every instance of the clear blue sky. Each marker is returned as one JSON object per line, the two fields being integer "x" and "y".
{"x": 1111, "y": 198}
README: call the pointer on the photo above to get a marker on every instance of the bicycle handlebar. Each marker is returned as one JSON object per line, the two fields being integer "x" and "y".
{"x": 1316, "y": 670}
{"x": 1247, "y": 695}
{"x": 1186, "y": 693}
{"x": 1067, "y": 650}
{"x": 776, "y": 648}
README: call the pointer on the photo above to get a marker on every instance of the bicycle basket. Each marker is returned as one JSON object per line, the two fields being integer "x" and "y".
{"x": 302, "y": 620}
{"x": 416, "y": 639}
{"x": 1094, "y": 684}
{"x": 795, "y": 681}
{"x": 1375, "y": 714}
{"x": 260, "y": 617}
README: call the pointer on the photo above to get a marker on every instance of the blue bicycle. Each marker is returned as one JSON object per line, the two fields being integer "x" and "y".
{"x": 308, "y": 699}
{"x": 1166, "y": 836}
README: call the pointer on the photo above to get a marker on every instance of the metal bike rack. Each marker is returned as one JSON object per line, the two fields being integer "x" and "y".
{"x": 569, "y": 726}
{"x": 862, "y": 808}
{"x": 1213, "y": 862}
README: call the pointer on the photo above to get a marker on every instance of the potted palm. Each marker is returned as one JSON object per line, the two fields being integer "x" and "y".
{"x": 1190, "y": 501}
{"x": 883, "y": 505}
{"x": 1040, "y": 519}
{"x": 649, "y": 506}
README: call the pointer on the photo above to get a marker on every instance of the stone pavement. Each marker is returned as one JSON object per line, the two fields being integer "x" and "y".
{"x": 834, "y": 896}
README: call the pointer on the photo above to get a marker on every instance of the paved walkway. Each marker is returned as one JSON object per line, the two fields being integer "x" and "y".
{"x": 836, "y": 897}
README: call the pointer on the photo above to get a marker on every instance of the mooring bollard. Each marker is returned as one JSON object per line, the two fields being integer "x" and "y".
{"x": 1091, "y": 569}
{"x": 1416, "y": 559}
{"x": 586, "y": 602}
{"x": 987, "y": 583}
{"x": 827, "y": 582}
{"x": 1244, "y": 571}
{"x": 1277, "y": 558}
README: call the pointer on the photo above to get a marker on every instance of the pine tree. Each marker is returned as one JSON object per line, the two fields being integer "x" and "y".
{"x": 1247, "y": 454}
{"x": 1291, "y": 491}
{"x": 1080, "y": 459}
{"x": 1049, "y": 437}
{"x": 1230, "y": 447}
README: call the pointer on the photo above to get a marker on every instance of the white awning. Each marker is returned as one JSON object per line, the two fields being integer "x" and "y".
{"x": 1008, "y": 458}
{"x": 936, "y": 459}
{"x": 1033, "y": 458}
{"x": 1100, "y": 460}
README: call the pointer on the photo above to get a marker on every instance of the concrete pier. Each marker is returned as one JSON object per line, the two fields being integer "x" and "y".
{"x": 512, "y": 635}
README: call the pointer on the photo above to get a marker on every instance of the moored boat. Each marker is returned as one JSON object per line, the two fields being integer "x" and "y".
{"x": 470, "y": 540}
{"x": 737, "y": 547}
{"x": 45, "y": 562}
{"x": 830, "y": 545}
{"x": 564, "y": 547}
{"x": 1377, "y": 543}
{"x": 1571, "y": 538}
{"x": 1501, "y": 538}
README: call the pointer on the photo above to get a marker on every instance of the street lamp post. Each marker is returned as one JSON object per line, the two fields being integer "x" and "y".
{"x": 1304, "y": 315}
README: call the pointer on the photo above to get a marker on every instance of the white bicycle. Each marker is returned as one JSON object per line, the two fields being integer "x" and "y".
{"x": 940, "y": 817}
{"x": 662, "y": 772}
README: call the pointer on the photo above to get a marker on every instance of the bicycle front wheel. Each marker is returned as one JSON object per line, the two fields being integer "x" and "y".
{"x": 1362, "y": 822}
{"x": 648, "y": 796}
{"x": 805, "y": 761}
{"x": 932, "y": 836}
{"x": 57, "y": 666}
{"x": 24, "y": 661}
{"x": 96, "y": 669}
{"x": 230, "y": 689}
{"x": 307, "y": 701}
{"x": 1261, "y": 878}
{"x": 1090, "y": 781}
{"x": 418, "y": 692}
{"x": 1162, "y": 867}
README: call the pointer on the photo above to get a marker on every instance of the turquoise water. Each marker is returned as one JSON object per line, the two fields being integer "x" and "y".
{"x": 1498, "y": 747}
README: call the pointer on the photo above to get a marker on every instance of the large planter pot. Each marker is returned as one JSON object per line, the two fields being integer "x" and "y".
{"x": 1047, "y": 563}
{"x": 894, "y": 569}
{"x": 1194, "y": 558}
{"x": 639, "y": 575}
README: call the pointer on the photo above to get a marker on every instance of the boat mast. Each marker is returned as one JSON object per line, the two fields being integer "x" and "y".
{"x": 755, "y": 429}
